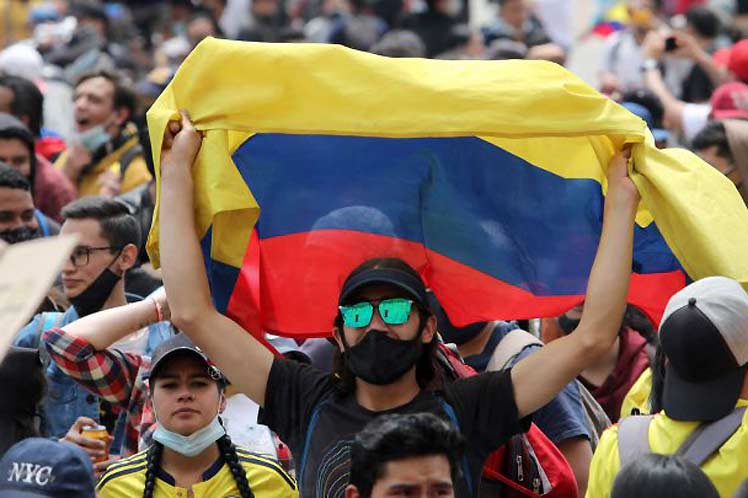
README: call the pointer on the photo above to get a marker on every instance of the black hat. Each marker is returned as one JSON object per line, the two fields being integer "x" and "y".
{"x": 704, "y": 335}
{"x": 181, "y": 344}
{"x": 411, "y": 284}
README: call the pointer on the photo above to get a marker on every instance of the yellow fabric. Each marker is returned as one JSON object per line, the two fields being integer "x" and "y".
{"x": 267, "y": 479}
{"x": 14, "y": 26}
{"x": 537, "y": 110}
{"x": 727, "y": 468}
{"x": 136, "y": 174}
{"x": 638, "y": 395}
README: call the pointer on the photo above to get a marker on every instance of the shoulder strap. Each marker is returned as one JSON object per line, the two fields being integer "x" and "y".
{"x": 708, "y": 438}
{"x": 633, "y": 437}
{"x": 509, "y": 347}
{"x": 126, "y": 158}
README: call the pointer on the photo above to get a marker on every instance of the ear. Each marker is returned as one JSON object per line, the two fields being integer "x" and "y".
{"x": 429, "y": 329}
{"x": 336, "y": 333}
{"x": 127, "y": 257}
{"x": 222, "y": 403}
{"x": 351, "y": 491}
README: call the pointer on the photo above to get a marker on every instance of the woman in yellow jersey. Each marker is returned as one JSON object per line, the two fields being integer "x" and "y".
{"x": 191, "y": 455}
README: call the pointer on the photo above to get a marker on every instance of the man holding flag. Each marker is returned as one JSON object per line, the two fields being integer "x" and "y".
{"x": 385, "y": 331}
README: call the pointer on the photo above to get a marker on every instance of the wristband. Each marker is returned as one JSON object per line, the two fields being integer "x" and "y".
{"x": 159, "y": 311}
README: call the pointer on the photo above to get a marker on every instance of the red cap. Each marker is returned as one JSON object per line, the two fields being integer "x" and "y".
{"x": 730, "y": 101}
{"x": 738, "y": 62}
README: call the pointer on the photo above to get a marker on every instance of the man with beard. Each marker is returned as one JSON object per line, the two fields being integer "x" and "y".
{"x": 93, "y": 278}
{"x": 19, "y": 219}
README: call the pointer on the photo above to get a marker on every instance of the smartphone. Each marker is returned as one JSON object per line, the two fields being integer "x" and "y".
{"x": 670, "y": 44}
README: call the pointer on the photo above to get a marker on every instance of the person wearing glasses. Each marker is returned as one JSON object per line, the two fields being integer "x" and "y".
{"x": 385, "y": 333}
{"x": 93, "y": 278}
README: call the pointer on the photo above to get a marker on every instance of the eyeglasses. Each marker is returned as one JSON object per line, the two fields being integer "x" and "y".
{"x": 395, "y": 311}
{"x": 82, "y": 254}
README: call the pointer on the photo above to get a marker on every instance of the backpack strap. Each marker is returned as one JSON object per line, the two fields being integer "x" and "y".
{"x": 510, "y": 346}
{"x": 708, "y": 438}
{"x": 633, "y": 438}
{"x": 465, "y": 464}
{"x": 126, "y": 158}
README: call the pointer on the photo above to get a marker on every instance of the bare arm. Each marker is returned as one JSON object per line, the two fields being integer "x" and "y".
{"x": 243, "y": 359}
{"x": 106, "y": 327}
{"x": 653, "y": 47}
{"x": 578, "y": 453}
{"x": 539, "y": 377}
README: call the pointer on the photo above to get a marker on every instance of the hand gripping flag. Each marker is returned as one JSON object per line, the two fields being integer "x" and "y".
{"x": 486, "y": 176}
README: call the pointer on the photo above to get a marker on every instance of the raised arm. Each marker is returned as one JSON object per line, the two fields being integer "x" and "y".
{"x": 243, "y": 359}
{"x": 540, "y": 376}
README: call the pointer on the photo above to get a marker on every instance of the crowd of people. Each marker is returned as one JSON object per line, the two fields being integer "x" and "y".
{"x": 128, "y": 381}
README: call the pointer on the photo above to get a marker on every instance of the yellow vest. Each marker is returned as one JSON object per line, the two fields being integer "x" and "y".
{"x": 136, "y": 174}
{"x": 727, "y": 468}
{"x": 267, "y": 479}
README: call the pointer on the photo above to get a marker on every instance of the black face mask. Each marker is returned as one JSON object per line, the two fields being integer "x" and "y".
{"x": 379, "y": 359}
{"x": 20, "y": 234}
{"x": 93, "y": 298}
{"x": 567, "y": 324}
{"x": 450, "y": 333}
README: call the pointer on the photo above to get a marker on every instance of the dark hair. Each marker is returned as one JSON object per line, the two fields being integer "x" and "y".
{"x": 118, "y": 226}
{"x": 12, "y": 178}
{"x": 658, "y": 380}
{"x": 124, "y": 96}
{"x": 28, "y": 101}
{"x": 21, "y": 409}
{"x": 427, "y": 373}
{"x": 395, "y": 437}
{"x": 228, "y": 453}
{"x": 713, "y": 134}
{"x": 704, "y": 21}
{"x": 635, "y": 319}
{"x": 663, "y": 476}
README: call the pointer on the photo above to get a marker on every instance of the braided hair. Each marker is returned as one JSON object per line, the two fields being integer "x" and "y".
{"x": 228, "y": 453}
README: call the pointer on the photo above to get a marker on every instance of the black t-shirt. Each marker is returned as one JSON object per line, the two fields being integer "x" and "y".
{"x": 299, "y": 396}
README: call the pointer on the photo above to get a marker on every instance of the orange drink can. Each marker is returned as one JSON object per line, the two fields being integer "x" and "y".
{"x": 98, "y": 432}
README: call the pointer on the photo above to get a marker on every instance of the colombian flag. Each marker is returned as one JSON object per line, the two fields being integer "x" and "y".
{"x": 487, "y": 177}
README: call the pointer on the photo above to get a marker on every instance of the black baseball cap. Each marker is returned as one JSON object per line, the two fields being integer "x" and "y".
{"x": 704, "y": 335}
{"x": 41, "y": 468}
{"x": 403, "y": 280}
{"x": 180, "y": 344}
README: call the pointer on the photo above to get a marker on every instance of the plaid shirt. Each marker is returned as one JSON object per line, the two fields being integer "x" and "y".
{"x": 110, "y": 374}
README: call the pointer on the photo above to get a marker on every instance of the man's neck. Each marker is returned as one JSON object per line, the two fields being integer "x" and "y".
{"x": 117, "y": 296}
{"x": 477, "y": 344}
{"x": 185, "y": 470}
{"x": 379, "y": 398}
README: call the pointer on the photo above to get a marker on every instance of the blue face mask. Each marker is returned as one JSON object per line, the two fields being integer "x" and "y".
{"x": 195, "y": 443}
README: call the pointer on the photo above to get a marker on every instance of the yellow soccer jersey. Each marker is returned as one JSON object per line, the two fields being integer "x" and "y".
{"x": 267, "y": 479}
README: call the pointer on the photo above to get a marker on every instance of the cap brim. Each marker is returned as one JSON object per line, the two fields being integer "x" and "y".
{"x": 17, "y": 493}
{"x": 180, "y": 350}
{"x": 702, "y": 401}
{"x": 730, "y": 114}
{"x": 375, "y": 277}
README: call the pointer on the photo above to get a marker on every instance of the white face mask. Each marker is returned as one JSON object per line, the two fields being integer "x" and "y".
{"x": 195, "y": 443}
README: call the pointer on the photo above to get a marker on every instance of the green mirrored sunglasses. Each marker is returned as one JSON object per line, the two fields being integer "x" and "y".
{"x": 395, "y": 311}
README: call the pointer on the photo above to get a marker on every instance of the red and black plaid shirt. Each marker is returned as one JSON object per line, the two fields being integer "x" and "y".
{"x": 112, "y": 375}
